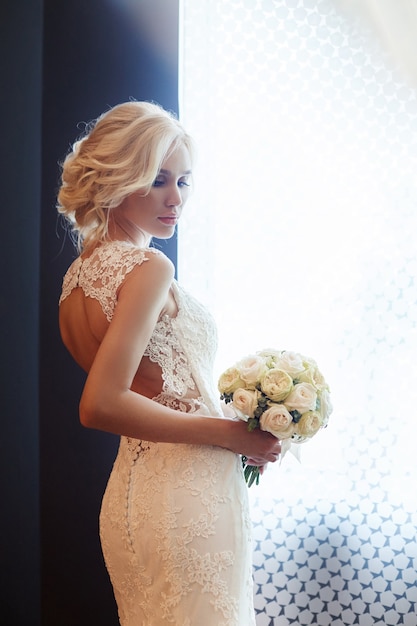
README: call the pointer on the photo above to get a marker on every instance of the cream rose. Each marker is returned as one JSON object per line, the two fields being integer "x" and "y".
{"x": 309, "y": 424}
{"x": 302, "y": 398}
{"x": 276, "y": 384}
{"x": 245, "y": 402}
{"x": 312, "y": 375}
{"x": 251, "y": 370}
{"x": 230, "y": 380}
{"x": 290, "y": 362}
{"x": 277, "y": 421}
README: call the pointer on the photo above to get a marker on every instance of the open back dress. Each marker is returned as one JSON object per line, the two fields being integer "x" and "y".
{"x": 174, "y": 524}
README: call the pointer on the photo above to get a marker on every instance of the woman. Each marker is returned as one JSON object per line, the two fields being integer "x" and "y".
{"x": 174, "y": 522}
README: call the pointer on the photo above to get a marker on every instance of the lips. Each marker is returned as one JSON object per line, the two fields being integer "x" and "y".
{"x": 170, "y": 220}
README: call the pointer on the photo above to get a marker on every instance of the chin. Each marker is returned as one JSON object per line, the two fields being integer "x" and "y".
{"x": 165, "y": 234}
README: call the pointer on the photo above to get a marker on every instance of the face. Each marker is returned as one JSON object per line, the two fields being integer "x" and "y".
{"x": 157, "y": 213}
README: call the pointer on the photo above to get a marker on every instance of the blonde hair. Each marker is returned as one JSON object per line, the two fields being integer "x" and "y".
{"x": 120, "y": 153}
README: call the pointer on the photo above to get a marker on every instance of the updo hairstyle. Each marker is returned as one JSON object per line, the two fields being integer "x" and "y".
{"x": 120, "y": 153}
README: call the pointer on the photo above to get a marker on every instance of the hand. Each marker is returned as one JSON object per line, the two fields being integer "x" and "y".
{"x": 258, "y": 446}
{"x": 261, "y": 468}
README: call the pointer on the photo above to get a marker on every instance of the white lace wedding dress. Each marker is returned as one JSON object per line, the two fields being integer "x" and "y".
{"x": 174, "y": 523}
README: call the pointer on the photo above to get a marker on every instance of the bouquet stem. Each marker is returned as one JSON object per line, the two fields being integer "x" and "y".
{"x": 251, "y": 472}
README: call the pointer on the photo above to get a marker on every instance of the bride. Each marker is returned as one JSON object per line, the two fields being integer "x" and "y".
{"x": 174, "y": 523}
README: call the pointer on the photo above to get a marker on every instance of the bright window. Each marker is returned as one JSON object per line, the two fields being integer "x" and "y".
{"x": 301, "y": 234}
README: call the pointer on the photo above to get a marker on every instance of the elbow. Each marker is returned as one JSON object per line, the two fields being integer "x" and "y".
{"x": 91, "y": 413}
{"x": 87, "y": 414}
{"x": 98, "y": 408}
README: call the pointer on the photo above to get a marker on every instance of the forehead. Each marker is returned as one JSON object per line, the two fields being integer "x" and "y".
{"x": 179, "y": 160}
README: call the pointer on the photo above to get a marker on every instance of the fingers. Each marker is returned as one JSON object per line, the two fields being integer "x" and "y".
{"x": 273, "y": 453}
{"x": 269, "y": 457}
{"x": 273, "y": 457}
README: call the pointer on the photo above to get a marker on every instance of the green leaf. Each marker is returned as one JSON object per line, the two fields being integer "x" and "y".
{"x": 251, "y": 473}
{"x": 296, "y": 416}
{"x": 263, "y": 400}
{"x": 252, "y": 423}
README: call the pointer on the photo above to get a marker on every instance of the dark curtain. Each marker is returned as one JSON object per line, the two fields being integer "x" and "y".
{"x": 63, "y": 63}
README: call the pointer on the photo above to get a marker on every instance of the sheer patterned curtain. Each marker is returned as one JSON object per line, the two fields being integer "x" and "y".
{"x": 301, "y": 234}
{"x": 395, "y": 26}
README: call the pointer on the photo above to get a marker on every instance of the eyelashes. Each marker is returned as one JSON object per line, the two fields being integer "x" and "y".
{"x": 160, "y": 182}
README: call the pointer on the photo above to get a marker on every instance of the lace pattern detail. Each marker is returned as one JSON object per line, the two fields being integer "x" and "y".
{"x": 101, "y": 274}
{"x": 187, "y": 405}
{"x": 165, "y": 350}
{"x": 136, "y": 447}
{"x": 197, "y": 334}
{"x": 181, "y": 510}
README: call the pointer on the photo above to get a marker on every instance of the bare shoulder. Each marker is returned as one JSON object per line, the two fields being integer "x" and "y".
{"x": 151, "y": 277}
{"x": 156, "y": 266}
{"x": 159, "y": 262}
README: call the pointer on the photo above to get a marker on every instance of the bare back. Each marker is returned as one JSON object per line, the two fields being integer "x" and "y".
{"x": 84, "y": 321}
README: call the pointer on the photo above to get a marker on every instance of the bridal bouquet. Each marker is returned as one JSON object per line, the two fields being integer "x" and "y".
{"x": 279, "y": 391}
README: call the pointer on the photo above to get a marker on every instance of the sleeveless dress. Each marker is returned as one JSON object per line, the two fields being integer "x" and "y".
{"x": 174, "y": 524}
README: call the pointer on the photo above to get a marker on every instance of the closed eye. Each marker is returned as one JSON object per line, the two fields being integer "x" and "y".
{"x": 160, "y": 182}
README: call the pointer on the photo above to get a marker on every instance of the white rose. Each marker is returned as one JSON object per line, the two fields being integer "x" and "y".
{"x": 230, "y": 380}
{"x": 251, "y": 369}
{"x": 245, "y": 402}
{"x": 325, "y": 406}
{"x": 276, "y": 384}
{"x": 270, "y": 355}
{"x": 290, "y": 362}
{"x": 277, "y": 421}
{"x": 302, "y": 398}
{"x": 309, "y": 424}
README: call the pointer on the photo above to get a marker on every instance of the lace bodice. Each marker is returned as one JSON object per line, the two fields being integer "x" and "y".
{"x": 183, "y": 346}
{"x": 101, "y": 274}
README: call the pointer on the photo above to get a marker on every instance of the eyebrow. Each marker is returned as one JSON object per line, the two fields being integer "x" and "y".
{"x": 168, "y": 172}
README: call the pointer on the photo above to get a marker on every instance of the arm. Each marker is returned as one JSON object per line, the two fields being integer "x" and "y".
{"x": 109, "y": 404}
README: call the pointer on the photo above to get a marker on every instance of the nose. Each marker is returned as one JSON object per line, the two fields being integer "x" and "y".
{"x": 174, "y": 197}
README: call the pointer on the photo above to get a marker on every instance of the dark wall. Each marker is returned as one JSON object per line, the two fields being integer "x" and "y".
{"x": 63, "y": 64}
{"x": 20, "y": 169}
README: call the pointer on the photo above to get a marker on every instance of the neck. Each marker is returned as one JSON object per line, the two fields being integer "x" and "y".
{"x": 122, "y": 229}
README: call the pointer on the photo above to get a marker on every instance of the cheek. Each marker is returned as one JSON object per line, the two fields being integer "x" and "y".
{"x": 185, "y": 194}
